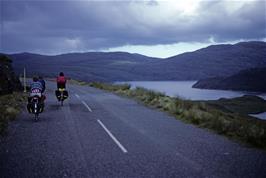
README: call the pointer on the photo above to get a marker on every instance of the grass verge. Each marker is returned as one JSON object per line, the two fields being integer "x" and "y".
{"x": 227, "y": 117}
{"x": 10, "y": 106}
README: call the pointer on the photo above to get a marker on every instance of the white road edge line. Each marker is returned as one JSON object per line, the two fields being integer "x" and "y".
{"x": 113, "y": 137}
{"x": 85, "y": 104}
{"x": 77, "y": 96}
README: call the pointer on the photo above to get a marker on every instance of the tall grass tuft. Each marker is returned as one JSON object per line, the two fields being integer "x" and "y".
{"x": 10, "y": 106}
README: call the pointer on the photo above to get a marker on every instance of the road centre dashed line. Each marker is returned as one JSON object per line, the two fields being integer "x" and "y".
{"x": 77, "y": 96}
{"x": 113, "y": 137}
{"x": 124, "y": 150}
{"x": 85, "y": 104}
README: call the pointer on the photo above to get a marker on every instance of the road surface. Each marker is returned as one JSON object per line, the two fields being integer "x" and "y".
{"x": 99, "y": 134}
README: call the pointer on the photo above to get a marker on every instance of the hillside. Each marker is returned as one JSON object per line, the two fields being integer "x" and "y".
{"x": 216, "y": 60}
{"x": 91, "y": 66}
{"x": 247, "y": 80}
{"x": 213, "y": 61}
{"x": 8, "y": 81}
{"x": 244, "y": 105}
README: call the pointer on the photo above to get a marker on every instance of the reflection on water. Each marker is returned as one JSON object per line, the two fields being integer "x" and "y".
{"x": 260, "y": 116}
{"x": 184, "y": 90}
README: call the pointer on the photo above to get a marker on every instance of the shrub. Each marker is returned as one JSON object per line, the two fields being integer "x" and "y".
{"x": 9, "y": 108}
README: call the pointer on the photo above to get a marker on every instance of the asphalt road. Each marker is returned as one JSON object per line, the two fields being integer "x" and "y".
{"x": 99, "y": 134}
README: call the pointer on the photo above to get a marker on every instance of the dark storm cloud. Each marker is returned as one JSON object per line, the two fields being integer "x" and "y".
{"x": 63, "y": 26}
{"x": 248, "y": 22}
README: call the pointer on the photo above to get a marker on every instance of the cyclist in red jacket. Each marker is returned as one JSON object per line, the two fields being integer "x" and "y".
{"x": 61, "y": 92}
{"x": 61, "y": 81}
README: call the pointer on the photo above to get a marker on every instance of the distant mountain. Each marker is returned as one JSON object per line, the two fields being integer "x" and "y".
{"x": 213, "y": 61}
{"x": 91, "y": 66}
{"x": 247, "y": 80}
{"x": 8, "y": 81}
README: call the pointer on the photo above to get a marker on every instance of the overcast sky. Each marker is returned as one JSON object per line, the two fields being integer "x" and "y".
{"x": 153, "y": 28}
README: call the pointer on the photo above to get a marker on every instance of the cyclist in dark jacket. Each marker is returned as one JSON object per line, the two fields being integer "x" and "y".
{"x": 36, "y": 89}
{"x": 41, "y": 80}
